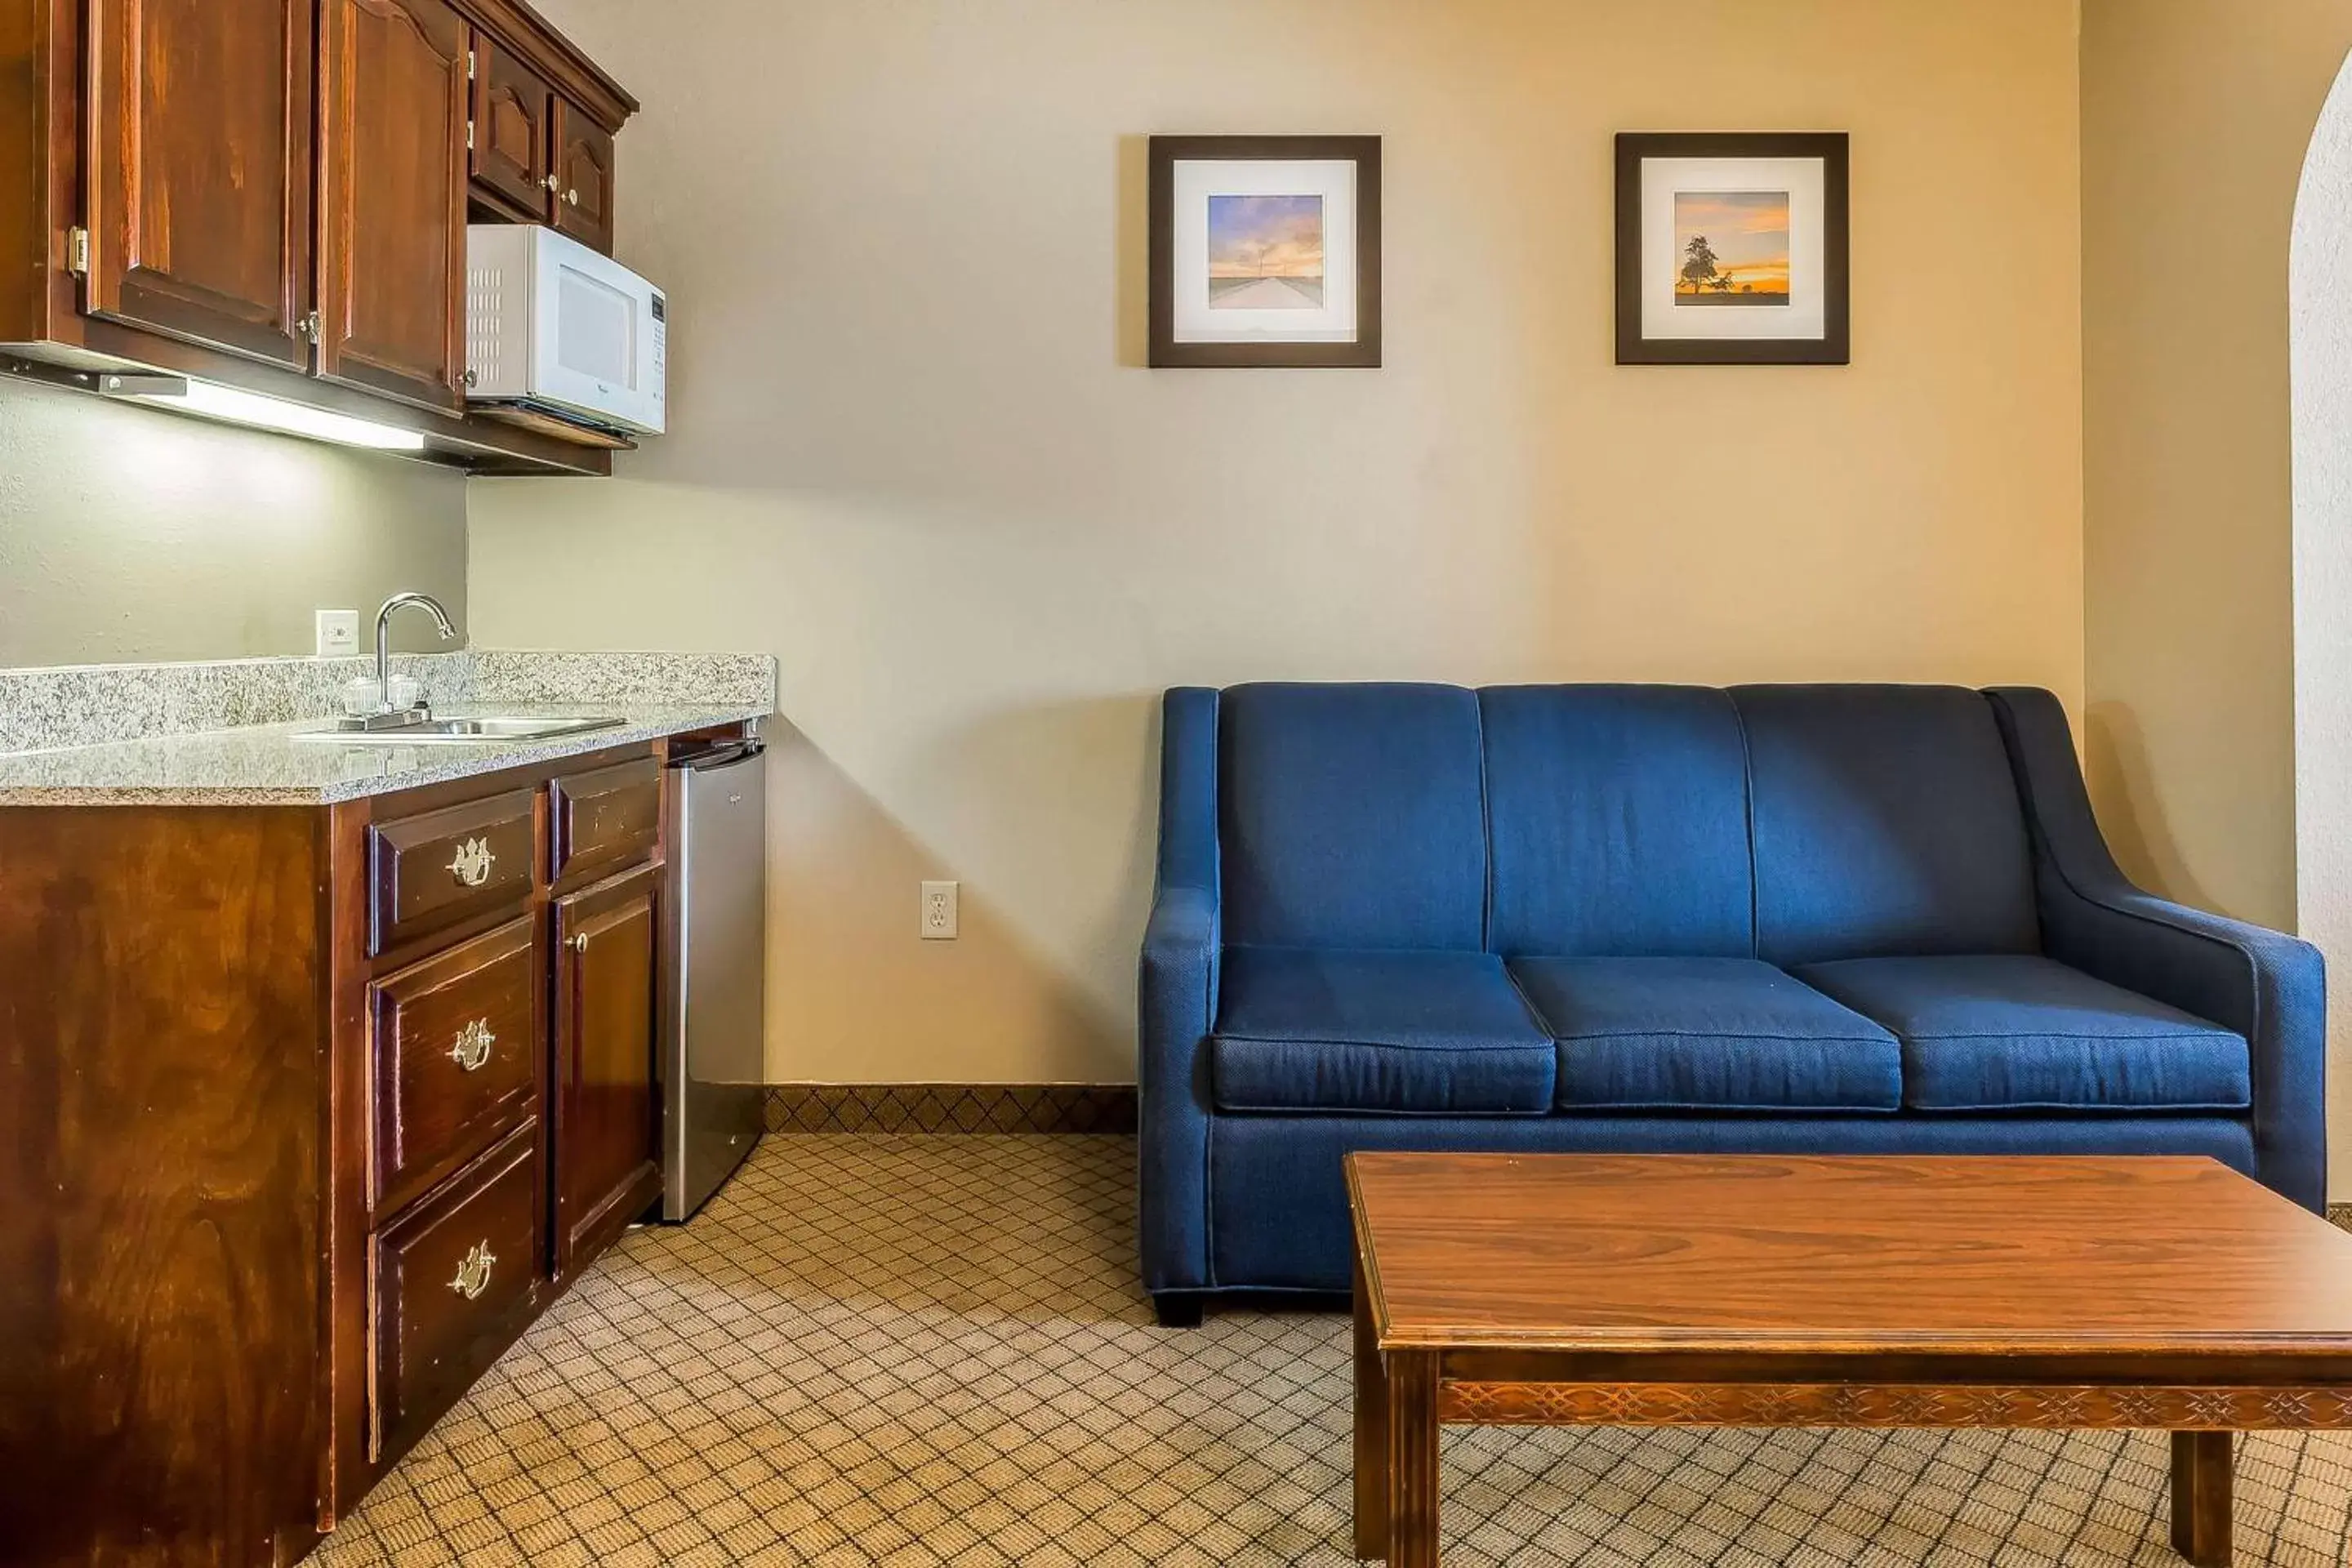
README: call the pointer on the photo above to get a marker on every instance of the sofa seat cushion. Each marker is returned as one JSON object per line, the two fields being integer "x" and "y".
{"x": 1376, "y": 1033}
{"x": 2017, "y": 1032}
{"x": 1704, "y": 1034}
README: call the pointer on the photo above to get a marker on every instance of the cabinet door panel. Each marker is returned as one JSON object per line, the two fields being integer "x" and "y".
{"x": 199, "y": 170}
{"x": 606, "y": 1161}
{"x": 394, "y": 98}
{"x": 512, "y": 138}
{"x": 583, "y": 179}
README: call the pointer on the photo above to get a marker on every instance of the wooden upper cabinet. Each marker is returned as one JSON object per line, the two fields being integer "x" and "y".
{"x": 394, "y": 100}
{"x": 583, "y": 179}
{"x": 513, "y": 139}
{"x": 198, "y": 178}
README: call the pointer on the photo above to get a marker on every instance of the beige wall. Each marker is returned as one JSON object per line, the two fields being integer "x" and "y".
{"x": 916, "y": 457}
{"x": 2196, "y": 116}
{"x": 127, "y": 534}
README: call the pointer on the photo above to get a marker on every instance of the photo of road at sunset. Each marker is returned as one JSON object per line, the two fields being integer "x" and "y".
{"x": 1265, "y": 253}
{"x": 1731, "y": 247}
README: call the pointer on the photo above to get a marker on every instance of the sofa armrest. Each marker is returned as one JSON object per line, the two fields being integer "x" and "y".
{"x": 2268, "y": 986}
{"x": 1177, "y": 1004}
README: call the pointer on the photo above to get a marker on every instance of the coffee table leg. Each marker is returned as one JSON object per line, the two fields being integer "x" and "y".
{"x": 1412, "y": 1458}
{"x": 1371, "y": 1431}
{"x": 2201, "y": 1497}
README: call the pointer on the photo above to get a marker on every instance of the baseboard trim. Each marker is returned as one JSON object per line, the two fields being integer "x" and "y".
{"x": 950, "y": 1108}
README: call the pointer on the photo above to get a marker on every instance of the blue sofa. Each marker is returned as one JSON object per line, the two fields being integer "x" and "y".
{"x": 1772, "y": 919}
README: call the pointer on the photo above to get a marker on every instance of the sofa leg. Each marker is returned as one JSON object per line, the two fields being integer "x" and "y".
{"x": 1178, "y": 1308}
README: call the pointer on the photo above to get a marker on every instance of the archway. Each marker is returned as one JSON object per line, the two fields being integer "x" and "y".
{"x": 2319, "y": 295}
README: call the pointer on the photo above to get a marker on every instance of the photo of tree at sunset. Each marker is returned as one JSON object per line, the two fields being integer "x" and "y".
{"x": 1265, "y": 253}
{"x": 1731, "y": 247}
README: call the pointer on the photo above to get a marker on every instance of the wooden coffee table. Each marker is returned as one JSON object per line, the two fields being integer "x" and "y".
{"x": 1648, "y": 1291}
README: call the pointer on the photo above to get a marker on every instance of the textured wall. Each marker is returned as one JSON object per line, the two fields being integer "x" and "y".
{"x": 2196, "y": 117}
{"x": 915, "y": 455}
{"x": 127, "y": 533}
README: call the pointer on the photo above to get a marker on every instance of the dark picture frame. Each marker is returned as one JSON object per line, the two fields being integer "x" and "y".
{"x": 1834, "y": 346}
{"x": 1166, "y": 351}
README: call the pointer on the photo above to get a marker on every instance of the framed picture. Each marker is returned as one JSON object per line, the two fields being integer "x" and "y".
{"x": 1266, "y": 251}
{"x": 1732, "y": 249}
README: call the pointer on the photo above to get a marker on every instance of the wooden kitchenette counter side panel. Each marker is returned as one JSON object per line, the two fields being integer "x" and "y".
{"x": 161, "y": 1050}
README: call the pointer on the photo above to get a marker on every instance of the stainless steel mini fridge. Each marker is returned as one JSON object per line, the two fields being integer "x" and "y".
{"x": 714, "y": 969}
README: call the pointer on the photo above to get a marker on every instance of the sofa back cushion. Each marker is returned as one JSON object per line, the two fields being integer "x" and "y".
{"x": 1886, "y": 821}
{"x": 1618, "y": 817}
{"x": 1351, "y": 816}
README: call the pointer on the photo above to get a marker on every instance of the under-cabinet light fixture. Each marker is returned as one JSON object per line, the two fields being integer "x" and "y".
{"x": 210, "y": 400}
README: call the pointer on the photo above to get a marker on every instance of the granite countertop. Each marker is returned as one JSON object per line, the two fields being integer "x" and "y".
{"x": 262, "y": 765}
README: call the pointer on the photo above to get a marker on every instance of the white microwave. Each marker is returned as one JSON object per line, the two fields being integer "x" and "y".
{"x": 554, "y": 326}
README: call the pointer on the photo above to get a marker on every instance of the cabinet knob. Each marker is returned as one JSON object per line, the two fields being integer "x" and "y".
{"x": 473, "y": 1046}
{"x": 473, "y": 1273}
{"x": 572, "y": 196}
{"x": 579, "y": 943}
{"x": 549, "y": 182}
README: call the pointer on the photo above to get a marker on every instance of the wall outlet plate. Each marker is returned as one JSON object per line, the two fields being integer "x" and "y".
{"x": 938, "y": 911}
{"x": 339, "y": 634}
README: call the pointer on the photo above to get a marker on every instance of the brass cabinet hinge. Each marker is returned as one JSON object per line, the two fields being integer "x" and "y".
{"x": 469, "y": 136}
{"x": 470, "y": 65}
{"x": 77, "y": 252}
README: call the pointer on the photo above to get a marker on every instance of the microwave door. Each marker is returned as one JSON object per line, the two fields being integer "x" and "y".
{"x": 592, "y": 342}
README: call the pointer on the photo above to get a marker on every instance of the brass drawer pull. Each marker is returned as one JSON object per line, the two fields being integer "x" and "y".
{"x": 473, "y": 1046}
{"x": 473, "y": 862}
{"x": 474, "y": 1274}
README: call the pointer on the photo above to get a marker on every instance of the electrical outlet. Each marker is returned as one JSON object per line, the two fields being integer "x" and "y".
{"x": 938, "y": 911}
{"x": 339, "y": 634}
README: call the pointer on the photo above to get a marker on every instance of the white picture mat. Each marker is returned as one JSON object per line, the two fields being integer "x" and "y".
{"x": 1806, "y": 315}
{"x": 1196, "y": 180}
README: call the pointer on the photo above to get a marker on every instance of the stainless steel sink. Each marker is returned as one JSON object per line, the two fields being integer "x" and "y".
{"x": 456, "y": 731}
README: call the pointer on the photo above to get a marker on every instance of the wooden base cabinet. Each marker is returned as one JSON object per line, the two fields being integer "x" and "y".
{"x": 305, "y": 1113}
{"x": 607, "y": 1120}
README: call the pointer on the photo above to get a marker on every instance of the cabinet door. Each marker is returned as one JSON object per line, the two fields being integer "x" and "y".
{"x": 606, "y": 1153}
{"x": 392, "y": 198}
{"x": 199, "y": 170}
{"x": 583, "y": 179}
{"x": 512, "y": 138}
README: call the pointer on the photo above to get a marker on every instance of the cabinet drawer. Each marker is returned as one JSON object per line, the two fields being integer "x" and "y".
{"x": 455, "y": 1279}
{"x": 430, "y": 872}
{"x": 456, "y": 1057}
{"x": 606, "y": 817}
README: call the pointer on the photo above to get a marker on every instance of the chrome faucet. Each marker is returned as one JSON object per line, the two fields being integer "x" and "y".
{"x": 384, "y": 649}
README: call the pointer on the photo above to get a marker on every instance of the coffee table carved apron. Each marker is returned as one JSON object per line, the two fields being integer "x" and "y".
{"x": 1706, "y": 1290}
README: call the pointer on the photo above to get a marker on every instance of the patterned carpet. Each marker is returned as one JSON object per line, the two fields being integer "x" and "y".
{"x": 931, "y": 1349}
